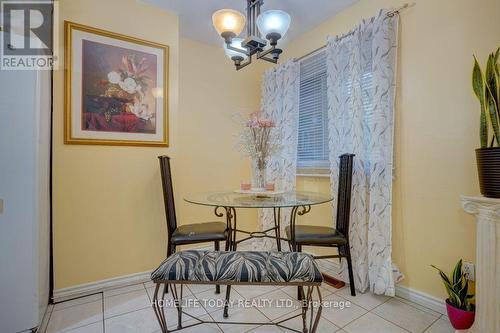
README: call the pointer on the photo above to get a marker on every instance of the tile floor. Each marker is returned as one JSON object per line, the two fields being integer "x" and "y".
{"x": 129, "y": 309}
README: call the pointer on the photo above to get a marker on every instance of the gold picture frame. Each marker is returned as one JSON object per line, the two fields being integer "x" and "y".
{"x": 128, "y": 100}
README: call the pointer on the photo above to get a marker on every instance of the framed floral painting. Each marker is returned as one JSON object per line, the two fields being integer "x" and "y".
{"x": 115, "y": 89}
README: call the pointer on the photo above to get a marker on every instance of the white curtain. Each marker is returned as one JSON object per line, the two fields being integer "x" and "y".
{"x": 361, "y": 90}
{"x": 280, "y": 102}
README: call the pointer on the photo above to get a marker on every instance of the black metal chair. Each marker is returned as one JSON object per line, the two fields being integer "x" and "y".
{"x": 338, "y": 237}
{"x": 187, "y": 233}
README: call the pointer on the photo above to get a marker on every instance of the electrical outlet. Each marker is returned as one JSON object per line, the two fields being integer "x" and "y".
{"x": 468, "y": 270}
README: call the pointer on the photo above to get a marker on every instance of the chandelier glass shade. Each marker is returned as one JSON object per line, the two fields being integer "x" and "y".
{"x": 273, "y": 22}
{"x": 228, "y": 21}
{"x": 263, "y": 31}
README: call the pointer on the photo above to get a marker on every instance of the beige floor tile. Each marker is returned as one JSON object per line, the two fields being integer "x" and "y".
{"x": 133, "y": 322}
{"x": 266, "y": 329}
{"x": 276, "y": 304}
{"x": 441, "y": 325}
{"x": 340, "y": 311}
{"x": 406, "y": 316}
{"x": 326, "y": 289}
{"x": 370, "y": 323}
{"x": 367, "y": 300}
{"x": 199, "y": 288}
{"x": 239, "y": 315}
{"x": 203, "y": 328}
{"x": 188, "y": 316}
{"x": 324, "y": 325}
{"x": 249, "y": 292}
{"x": 92, "y": 328}
{"x": 128, "y": 302}
{"x": 75, "y": 317}
{"x": 213, "y": 302}
{"x": 420, "y": 307}
{"x": 78, "y": 301}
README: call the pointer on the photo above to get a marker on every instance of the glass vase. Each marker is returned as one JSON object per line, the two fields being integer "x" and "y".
{"x": 259, "y": 175}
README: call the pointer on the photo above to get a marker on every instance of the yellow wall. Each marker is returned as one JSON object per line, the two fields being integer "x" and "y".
{"x": 211, "y": 92}
{"x": 436, "y": 127}
{"x": 108, "y": 207}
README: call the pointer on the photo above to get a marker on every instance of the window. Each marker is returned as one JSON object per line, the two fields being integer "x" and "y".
{"x": 312, "y": 152}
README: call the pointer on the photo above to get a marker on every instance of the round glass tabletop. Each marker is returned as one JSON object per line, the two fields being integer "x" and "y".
{"x": 239, "y": 200}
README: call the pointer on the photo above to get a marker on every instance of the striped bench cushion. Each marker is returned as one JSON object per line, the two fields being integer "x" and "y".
{"x": 239, "y": 268}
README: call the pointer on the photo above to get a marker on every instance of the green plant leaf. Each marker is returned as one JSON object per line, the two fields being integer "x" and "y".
{"x": 463, "y": 292}
{"x": 457, "y": 272}
{"x": 443, "y": 275}
{"x": 497, "y": 57}
{"x": 478, "y": 86}
{"x": 491, "y": 75}
{"x": 493, "y": 113}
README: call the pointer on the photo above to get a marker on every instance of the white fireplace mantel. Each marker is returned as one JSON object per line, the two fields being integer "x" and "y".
{"x": 487, "y": 213}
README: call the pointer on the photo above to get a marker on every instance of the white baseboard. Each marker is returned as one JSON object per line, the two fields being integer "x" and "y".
{"x": 421, "y": 298}
{"x": 86, "y": 289}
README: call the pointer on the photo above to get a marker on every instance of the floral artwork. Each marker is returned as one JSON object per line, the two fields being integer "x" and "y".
{"x": 117, "y": 86}
{"x": 117, "y": 89}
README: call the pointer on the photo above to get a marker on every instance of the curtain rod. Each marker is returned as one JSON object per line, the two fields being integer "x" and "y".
{"x": 389, "y": 14}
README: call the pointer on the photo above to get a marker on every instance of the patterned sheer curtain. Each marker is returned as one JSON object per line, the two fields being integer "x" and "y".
{"x": 361, "y": 90}
{"x": 280, "y": 102}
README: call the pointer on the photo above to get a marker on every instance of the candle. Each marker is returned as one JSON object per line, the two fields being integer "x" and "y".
{"x": 245, "y": 186}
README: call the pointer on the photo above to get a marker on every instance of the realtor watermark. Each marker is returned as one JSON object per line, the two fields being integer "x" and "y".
{"x": 250, "y": 303}
{"x": 27, "y": 38}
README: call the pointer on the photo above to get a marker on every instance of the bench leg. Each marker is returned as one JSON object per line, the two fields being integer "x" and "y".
{"x": 217, "y": 248}
{"x": 159, "y": 307}
{"x": 314, "y": 322}
{"x": 178, "y": 303}
{"x": 308, "y": 305}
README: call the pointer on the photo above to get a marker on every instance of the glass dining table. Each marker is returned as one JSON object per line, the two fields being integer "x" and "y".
{"x": 226, "y": 203}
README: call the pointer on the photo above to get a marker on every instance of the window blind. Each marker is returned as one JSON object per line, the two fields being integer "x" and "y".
{"x": 313, "y": 117}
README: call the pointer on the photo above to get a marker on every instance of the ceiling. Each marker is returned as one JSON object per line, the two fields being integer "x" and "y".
{"x": 196, "y": 15}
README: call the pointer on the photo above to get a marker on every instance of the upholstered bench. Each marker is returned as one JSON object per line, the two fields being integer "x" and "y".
{"x": 237, "y": 268}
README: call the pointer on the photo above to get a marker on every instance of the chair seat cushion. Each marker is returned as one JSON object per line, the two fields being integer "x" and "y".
{"x": 238, "y": 267}
{"x": 312, "y": 235}
{"x": 199, "y": 232}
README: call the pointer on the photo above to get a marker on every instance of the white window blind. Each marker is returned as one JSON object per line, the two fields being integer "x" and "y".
{"x": 313, "y": 116}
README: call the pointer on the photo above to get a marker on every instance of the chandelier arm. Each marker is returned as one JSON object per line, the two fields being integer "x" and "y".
{"x": 274, "y": 61}
{"x": 229, "y": 47}
{"x": 248, "y": 62}
{"x": 265, "y": 52}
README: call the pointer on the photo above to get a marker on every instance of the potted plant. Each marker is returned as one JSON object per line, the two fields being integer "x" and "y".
{"x": 459, "y": 304}
{"x": 487, "y": 89}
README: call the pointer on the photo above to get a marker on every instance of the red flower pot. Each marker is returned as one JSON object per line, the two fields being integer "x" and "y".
{"x": 460, "y": 319}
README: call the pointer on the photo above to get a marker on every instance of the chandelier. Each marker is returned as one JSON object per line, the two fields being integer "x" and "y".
{"x": 269, "y": 26}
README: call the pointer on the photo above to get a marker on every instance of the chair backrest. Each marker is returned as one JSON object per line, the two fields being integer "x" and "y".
{"x": 344, "y": 195}
{"x": 168, "y": 193}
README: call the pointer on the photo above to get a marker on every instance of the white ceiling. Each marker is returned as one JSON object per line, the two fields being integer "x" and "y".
{"x": 196, "y": 15}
